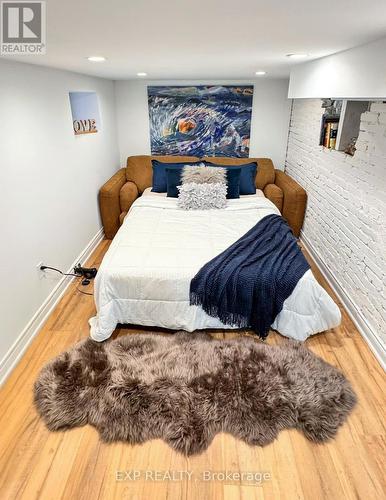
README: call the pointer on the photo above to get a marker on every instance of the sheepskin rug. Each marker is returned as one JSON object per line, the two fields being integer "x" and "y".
{"x": 185, "y": 388}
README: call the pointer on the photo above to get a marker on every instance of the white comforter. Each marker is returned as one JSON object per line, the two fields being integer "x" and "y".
{"x": 145, "y": 275}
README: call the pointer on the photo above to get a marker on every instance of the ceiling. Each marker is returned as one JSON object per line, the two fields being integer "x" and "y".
{"x": 202, "y": 39}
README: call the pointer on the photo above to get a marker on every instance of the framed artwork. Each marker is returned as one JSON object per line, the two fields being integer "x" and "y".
{"x": 203, "y": 120}
{"x": 85, "y": 112}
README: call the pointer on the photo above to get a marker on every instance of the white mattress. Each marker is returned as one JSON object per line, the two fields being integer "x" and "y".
{"x": 149, "y": 192}
{"x": 145, "y": 275}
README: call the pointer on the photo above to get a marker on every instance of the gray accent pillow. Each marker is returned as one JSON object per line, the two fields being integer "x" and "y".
{"x": 194, "y": 196}
{"x": 203, "y": 175}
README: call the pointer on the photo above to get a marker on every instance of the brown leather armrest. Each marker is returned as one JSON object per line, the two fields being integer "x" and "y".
{"x": 275, "y": 194}
{"x": 122, "y": 217}
{"x": 127, "y": 195}
{"x": 109, "y": 202}
{"x": 294, "y": 201}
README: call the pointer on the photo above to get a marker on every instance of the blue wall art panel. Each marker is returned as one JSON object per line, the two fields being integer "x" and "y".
{"x": 204, "y": 120}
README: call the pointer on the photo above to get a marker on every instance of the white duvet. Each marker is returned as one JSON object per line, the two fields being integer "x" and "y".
{"x": 145, "y": 275}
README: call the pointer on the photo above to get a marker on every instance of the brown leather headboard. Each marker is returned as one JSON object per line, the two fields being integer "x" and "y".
{"x": 139, "y": 168}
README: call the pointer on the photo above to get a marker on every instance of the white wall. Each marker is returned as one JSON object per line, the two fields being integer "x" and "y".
{"x": 354, "y": 73}
{"x": 49, "y": 183}
{"x": 270, "y": 117}
{"x": 346, "y": 211}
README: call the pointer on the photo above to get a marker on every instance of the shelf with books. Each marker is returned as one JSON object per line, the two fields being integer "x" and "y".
{"x": 341, "y": 123}
{"x": 330, "y": 122}
{"x": 329, "y": 132}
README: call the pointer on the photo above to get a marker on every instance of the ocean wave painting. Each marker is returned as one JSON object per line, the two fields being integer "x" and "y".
{"x": 204, "y": 120}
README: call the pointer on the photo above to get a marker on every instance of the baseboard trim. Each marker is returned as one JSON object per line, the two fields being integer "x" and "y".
{"x": 352, "y": 309}
{"x": 10, "y": 360}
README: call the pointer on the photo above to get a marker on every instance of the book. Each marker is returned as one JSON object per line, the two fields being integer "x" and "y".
{"x": 333, "y": 135}
{"x": 327, "y": 135}
{"x": 322, "y": 131}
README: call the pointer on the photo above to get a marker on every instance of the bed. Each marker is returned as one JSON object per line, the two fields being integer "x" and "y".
{"x": 145, "y": 275}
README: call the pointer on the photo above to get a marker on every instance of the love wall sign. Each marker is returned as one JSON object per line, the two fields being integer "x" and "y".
{"x": 85, "y": 112}
{"x": 84, "y": 126}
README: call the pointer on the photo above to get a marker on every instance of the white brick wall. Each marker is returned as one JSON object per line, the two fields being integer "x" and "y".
{"x": 346, "y": 210}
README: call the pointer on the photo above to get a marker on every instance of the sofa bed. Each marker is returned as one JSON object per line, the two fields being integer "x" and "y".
{"x": 118, "y": 194}
{"x": 158, "y": 248}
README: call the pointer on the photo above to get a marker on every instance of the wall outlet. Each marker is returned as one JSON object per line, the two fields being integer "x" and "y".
{"x": 41, "y": 273}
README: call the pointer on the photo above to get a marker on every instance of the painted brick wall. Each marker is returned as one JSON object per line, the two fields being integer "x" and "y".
{"x": 346, "y": 211}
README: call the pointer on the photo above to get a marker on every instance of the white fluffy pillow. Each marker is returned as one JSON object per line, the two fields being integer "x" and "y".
{"x": 203, "y": 175}
{"x": 195, "y": 196}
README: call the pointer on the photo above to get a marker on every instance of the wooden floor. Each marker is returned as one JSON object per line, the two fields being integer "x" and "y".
{"x": 36, "y": 463}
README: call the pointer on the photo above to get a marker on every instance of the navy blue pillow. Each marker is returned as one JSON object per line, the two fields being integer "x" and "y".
{"x": 159, "y": 173}
{"x": 173, "y": 179}
{"x": 247, "y": 176}
{"x": 233, "y": 179}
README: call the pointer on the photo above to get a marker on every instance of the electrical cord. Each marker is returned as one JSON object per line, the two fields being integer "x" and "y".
{"x": 43, "y": 268}
{"x": 84, "y": 293}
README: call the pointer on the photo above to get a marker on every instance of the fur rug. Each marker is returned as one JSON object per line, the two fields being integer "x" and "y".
{"x": 185, "y": 388}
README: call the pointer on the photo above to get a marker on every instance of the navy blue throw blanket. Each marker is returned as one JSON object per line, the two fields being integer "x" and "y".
{"x": 246, "y": 285}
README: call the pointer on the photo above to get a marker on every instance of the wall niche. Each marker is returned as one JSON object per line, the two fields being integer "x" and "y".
{"x": 341, "y": 123}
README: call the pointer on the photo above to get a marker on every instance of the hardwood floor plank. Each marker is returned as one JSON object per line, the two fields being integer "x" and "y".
{"x": 38, "y": 464}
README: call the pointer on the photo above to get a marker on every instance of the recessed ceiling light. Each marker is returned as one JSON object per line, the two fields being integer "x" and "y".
{"x": 260, "y": 73}
{"x": 141, "y": 73}
{"x": 297, "y": 56}
{"x": 96, "y": 58}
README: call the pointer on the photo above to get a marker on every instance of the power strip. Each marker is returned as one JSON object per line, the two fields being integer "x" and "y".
{"x": 87, "y": 272}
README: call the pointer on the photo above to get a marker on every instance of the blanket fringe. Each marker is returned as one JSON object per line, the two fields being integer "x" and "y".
{"x": 226, "y": 317}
